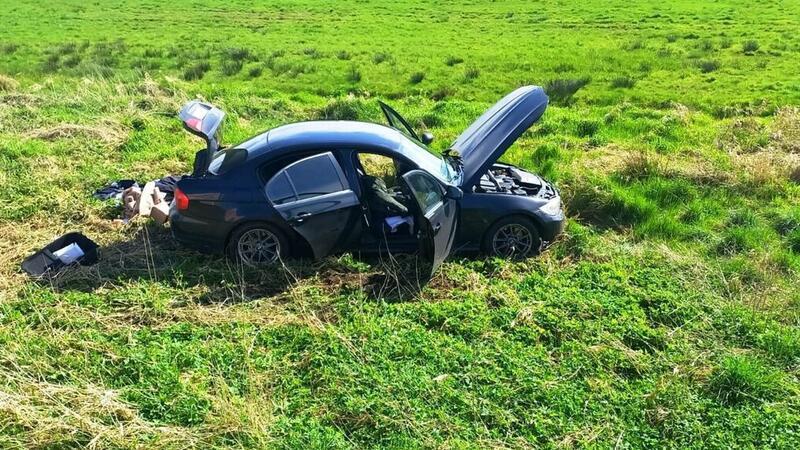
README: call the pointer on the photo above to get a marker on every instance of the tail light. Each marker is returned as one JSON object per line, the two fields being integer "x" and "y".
{"x": 181, "y": 200}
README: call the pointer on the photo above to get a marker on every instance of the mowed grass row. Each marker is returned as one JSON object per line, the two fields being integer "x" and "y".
{"x": 666, "y": 316}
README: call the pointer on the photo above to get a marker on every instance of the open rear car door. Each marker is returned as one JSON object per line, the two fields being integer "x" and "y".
{"x": 439, "y": 215}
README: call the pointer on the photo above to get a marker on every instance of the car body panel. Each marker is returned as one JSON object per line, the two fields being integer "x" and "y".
{"x": 480, "y": 145}
{"x": 479, "y": 211}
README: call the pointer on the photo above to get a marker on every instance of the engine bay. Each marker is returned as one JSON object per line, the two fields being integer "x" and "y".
{"x": 507, "y": 179}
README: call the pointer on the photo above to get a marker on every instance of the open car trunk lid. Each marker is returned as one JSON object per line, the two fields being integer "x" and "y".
{"x": 485, "y": 141}
{"x": 203, "y": 120}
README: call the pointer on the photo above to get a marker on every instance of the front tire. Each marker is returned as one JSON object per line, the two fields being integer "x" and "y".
{"x": 257, "y": 245}
{"x": 514, "y": 237}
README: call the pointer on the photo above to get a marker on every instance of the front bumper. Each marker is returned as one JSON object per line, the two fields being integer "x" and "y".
{"x": 550, "y": 227}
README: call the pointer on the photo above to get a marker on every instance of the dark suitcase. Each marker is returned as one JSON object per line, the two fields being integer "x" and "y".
{"x": 44, "y": 261}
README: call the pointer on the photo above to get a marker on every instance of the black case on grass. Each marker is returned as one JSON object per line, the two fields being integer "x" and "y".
{"x": 43, "y": 261}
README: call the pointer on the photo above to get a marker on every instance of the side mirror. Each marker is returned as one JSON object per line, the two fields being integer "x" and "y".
{"x": 426, "y": 137}
{"x": 453, "y": 193}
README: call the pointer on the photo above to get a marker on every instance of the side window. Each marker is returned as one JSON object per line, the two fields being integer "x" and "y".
{"x": 279, "y": 189}
{"x": 315, "y": 176}
{"x": 310, "y": 177}
{"x": 427, "y": 191}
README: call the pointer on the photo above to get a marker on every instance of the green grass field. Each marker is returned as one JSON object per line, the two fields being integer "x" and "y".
{"x": 667, "y": 316}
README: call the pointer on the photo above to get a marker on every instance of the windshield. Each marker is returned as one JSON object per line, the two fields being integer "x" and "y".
{"x": 438, "y": 166}
{"x": 226, "y": 159}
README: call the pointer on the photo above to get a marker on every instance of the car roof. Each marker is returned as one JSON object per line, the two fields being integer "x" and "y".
{"x": 339, "y": 133}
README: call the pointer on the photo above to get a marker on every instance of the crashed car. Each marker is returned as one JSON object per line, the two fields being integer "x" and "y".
{"x": 305, "y": 189}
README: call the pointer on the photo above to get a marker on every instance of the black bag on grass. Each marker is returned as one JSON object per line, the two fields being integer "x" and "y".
{"x": 45, "y": 260}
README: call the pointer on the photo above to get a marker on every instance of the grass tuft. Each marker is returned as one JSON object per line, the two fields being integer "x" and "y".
{"x": 353, "y": 74}
{"x": 416, "y": 77}
{"x": 744, "y": 378}
{"x": 708, "y": 65}
{"x": 9, "y": 48}
{"x": 743, "y": 135}
{"x": 623, "y": 82}
{"x": 237, "y": 54}
{"x": 750, "y": 46}
{"x": 196, "y": 71}
{"x": 312, "y": 53}
{"x": 471, "y": 73}
{"x": 380, "y": 57}
{"x": 587, "y": 127}
{"x": 562, "y": 90}
{"x": 231, "y": 67}
{"x": 453, "y": 60}
{"x": 254, "y": 72}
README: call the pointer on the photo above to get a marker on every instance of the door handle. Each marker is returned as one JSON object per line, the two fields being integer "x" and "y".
{"x": 437, "y": 227}
{"x": 300, "y": 217}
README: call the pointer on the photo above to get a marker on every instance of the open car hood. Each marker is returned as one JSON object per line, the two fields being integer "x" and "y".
{"x": 480, "y": 145}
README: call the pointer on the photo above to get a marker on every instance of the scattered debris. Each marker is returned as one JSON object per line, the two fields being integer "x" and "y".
{"x": 130, "y": 202}
{"x": 114, "y": 190}
{"x": 151, "y": 201}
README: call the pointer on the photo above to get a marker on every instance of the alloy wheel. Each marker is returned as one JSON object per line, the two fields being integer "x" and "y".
{"x": 512, "y": 241}
{"x": 258, "y": 247}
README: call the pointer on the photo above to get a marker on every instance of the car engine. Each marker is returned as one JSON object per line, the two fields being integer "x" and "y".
{"x": 505, "y": 179}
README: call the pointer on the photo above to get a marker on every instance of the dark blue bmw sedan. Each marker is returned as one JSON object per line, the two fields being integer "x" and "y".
{"x": 321, "y": 187}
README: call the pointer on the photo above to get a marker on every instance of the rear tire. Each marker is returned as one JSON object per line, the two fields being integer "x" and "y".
{"x": 257, "y": 244}
{"x": 514, "y": 237}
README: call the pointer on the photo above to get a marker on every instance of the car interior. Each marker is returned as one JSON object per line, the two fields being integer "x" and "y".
{"x": 390, "y": 209}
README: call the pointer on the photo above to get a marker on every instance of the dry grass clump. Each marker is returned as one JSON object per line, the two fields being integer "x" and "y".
{"x": 743, "y": 135}
{"x": 107, "y": 132}
{"x": 155, "y": 96}
{"x": 794, "y": 175}
{"x": 768, "y": 167}
{"x": 640, "y": 164}
{"x": 51, "y": 415}
{"x": 786, "y": 129}
{"x": 7, "y": 83}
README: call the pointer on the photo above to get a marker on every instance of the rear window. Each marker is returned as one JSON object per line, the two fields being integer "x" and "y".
{"x": 226, "y": 159}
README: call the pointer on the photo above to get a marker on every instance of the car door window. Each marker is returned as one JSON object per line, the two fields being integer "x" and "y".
{"x": 428, "y": 192}
{"x": 279, "y": 189}
{"x": 308, "y": 178}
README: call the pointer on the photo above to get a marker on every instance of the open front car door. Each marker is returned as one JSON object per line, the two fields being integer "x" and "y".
{"x": 439, "y": 215}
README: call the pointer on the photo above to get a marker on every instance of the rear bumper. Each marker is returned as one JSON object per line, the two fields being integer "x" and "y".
{"x": 192, "y": 234}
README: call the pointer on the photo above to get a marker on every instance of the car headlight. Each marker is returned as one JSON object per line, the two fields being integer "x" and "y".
{"x": 552, "y": 207}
